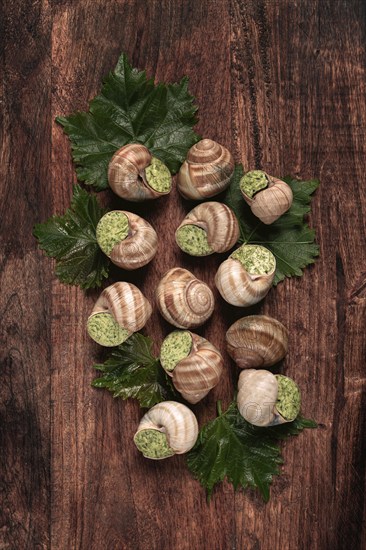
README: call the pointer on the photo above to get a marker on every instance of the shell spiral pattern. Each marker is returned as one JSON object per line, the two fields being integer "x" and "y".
{"x": 183, "y": 300}
{"x": 206, "y": 171}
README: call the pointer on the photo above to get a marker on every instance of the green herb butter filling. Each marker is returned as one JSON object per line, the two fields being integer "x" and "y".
{"x": 252, "y": 182}
{"x": 193, "y": 240}
{"x": 111, "y": 230}
{"x": 153, "y": 444}
{"x": 176, "y": 346}
{"x": 256, "y": 259}
{"x": 105, "y": 330}
{"x": 288, "y": 398}
{"x": 158, "y": 176}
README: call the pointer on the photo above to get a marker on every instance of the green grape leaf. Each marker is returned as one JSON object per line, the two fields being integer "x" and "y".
{"x": 132, "y": 371}
{"x": 289, "y": 238}
{"x": 71, "y": 240}
{"x": 247, "y": 456}
{"x": 131, "y": 109}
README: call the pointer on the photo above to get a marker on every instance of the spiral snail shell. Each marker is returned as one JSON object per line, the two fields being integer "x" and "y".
{"x": 127, "y": 239}
{"x": 183, "y": 300}
{"x": 194, "y": 364}
{"x": 210, "y": 227}
{"x": 267, "y": 196}
{"x": 266, "y": 399}
{"x": 134, "y": 174}
{"x": 206, "y": 171}
{"x": 246, "y": 276}
{"x": 120, "y": 310}
{"x": 257, "y": 341}
{"x": 167, "y": 429}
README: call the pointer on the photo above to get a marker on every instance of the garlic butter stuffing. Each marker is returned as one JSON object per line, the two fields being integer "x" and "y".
{"x": 167, "y": 429}
{"x": 120, "y": 310}
{"x": 127, "y": 239}
{"x": 194, "y": 364}
{"x": 134, "y": 174}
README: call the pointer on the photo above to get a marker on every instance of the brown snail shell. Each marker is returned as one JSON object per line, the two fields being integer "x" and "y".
{"x": 127, "y": 173}
{"x": 140, "y": 245}
{"x": 239, "y": 287}
{"x": 206, "y": 171}
{"x": 219, "y": 223}
{"x": 257, "y": 341}
{"x": 126, "y": 303}
{"x": 195, "y": 375}
{"x": 270, "y": 203}
{"x": 183, "y": 300}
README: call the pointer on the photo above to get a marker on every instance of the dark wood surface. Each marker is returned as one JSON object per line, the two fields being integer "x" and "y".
{"x": 281, "y": 83}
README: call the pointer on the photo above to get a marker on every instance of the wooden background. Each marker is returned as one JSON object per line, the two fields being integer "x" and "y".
{"x": 281, "y": 83}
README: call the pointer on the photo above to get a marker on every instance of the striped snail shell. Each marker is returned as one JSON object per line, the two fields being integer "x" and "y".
{"x": 134, "y": 174}
{"x": 167, "y": 429}
{"x": 206, "y": 171}
{"x": 257, "y": 341}
{"x": 120, "y": 310}
{"x": 266, "y": 399}
{"x": 127, "y": 239}
{"x": 246, "y": 276}
{"x": 183, "y": 300}
{"x": 194, "y": 364}
{"x": 210, "y": 227}
{"x": 267, "y": 196}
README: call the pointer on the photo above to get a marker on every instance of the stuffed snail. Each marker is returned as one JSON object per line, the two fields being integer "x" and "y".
{"x": 134, "y": 174}
{"x": 268, "y": 197}
{"x": 266, "y": 399}
{"x": 167, "y": 429}
{"x": 210, "y": 227}
{"x": 206, "y": 171}
{"x": 194, "y": 364}
{"x": 246, "y": 276}
{"x": 256, "y": 341}
{"x": 120, "y": 310}
{"x": 183, "y": 300}
{"x": 127, "y": 239}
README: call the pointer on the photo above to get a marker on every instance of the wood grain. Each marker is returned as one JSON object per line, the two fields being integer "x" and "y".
{"x": 282, "y": 84}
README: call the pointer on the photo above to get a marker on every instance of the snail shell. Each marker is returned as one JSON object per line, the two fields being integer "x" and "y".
{"x": 120, "y": 310}
{"x": 166, "y": 429}
{"x": 270, "y": 202}
{"x": 241, "y": 284}
{"x": 127, "y": 239}
{"x": 195, "y": 368}
{"x": 183, "y": 300}
{"x": 134, "y": 174}
{"x": 257, "y": 341}
{"x": 265, "y": 399}
{"x": 210, "y": 227}
{"x": 206, "y": 171}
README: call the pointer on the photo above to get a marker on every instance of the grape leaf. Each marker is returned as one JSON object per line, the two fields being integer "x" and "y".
{"x": 131, "y": 109}
{"x": 248, "y": 456}
{"x": 71, "y": 240}
{"x": 133, "y": 371}
{"x": 289, "y": 238}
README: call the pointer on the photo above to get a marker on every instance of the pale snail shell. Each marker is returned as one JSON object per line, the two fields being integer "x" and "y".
{"x": 132, "y": 251}
{"x": 265, "y": 399}
{"x": 237, "y": 285}
{"x": 196, "y": 369}
{"x": 270, "y": 203}
{"x": 257, "y": 341}
{"x": 176, "y": 421}
{"x": 183, "y": 300}
{"x": 132, "y": 174}
{"x": 206, "y": 171}
{"x": 120, "y": 310}
{"x": 218, "y": 229}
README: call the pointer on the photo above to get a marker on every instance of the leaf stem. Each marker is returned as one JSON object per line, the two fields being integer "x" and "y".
{"x": 219, "y": 408}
